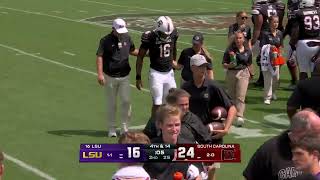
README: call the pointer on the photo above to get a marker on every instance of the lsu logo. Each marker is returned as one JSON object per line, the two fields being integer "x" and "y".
{"x": 96, "y": 155}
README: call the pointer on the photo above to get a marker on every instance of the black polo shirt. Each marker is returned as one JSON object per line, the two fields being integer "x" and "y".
{"x": 184, "y": 60}
{"x": 115, "y": 54}
{"x": 244, "y": 59}
{"x": 268, "y": 38}
{"x": 306, "y": 94}
{"x": 246, "y": 31}
{"x": 205, "y": 98}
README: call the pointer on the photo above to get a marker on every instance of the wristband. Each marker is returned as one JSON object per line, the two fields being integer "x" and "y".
{"x": 138, "y": 77}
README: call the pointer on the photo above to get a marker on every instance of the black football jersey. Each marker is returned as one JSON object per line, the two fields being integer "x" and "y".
{"x": 266, "y": 10}
{"x": 293, "y": 5}
{"x": 160, "y": 51}
{"x": 309, "y": 23}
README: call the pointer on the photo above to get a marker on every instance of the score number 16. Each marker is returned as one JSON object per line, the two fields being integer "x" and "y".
{"x": 133, "y": 152}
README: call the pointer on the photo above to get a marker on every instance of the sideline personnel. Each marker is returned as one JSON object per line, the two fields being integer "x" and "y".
{"x": 113, "y": 72}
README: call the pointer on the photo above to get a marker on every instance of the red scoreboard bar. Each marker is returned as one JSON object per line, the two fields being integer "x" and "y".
{"x": 208, "y": 153}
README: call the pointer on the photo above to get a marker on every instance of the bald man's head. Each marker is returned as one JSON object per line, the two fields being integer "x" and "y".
{"x": 307, "y": 120}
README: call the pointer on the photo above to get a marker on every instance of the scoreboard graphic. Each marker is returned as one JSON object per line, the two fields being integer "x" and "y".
{"x": 126, "y": 153}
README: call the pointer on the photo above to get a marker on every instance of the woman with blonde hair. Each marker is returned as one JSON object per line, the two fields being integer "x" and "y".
{"x": 240, "y": 25}
{"x": 271, "y": 59}
{"x": 237, "y": 60}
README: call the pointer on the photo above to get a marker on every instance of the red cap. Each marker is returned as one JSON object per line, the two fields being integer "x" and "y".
{"x": 178, "y": 176}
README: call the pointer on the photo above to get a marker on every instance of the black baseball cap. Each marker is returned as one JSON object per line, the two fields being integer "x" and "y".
{"x": 197, "y": 38}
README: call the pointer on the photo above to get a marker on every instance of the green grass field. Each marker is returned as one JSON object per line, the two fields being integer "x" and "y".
{"x": 51, "y": 101}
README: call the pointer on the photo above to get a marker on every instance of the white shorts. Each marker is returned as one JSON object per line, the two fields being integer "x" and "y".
{"x": 160, "y": 83}
{"x": 304, "y": 55}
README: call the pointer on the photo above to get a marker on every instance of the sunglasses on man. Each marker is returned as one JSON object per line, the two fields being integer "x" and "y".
{"x": 244, "y": 18}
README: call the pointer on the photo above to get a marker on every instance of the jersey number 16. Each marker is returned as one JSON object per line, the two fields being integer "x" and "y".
{"x": 164, "y": 50}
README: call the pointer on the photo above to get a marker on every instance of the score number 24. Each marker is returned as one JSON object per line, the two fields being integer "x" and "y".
{"x": 184, "y": 152}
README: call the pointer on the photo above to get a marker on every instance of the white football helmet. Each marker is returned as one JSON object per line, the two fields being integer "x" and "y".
{"x": 259, "y": 1}
{"x": 164, "y": 24}
{"x": 306, "y": 3}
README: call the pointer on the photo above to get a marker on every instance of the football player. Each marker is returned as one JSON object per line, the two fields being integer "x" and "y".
{"x": 261, "y": 10}
{"x": 305, "y": 29}
{"x": 161, "y": 43}
{"x": 293, "y": 7}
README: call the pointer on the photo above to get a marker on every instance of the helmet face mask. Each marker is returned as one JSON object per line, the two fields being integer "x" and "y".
{"x": 162, "y": 36}
{"x": 306, "y": 3}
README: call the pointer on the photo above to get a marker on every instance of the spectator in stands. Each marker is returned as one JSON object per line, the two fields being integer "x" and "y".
{"x": 271, "y": 59}
{"x": 198, "y": 47}
{"x": 306, "y": 155}
{"x": 306, "y": 94}
{"x": 130, "y": 171}
{"x": 240, "y": 25}
{"x": 273, "y": 160}
{"x": 237, "y": 60}
{"x": 1, "y": 164}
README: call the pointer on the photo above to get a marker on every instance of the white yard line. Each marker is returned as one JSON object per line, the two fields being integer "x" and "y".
{"x": 38, "y": 13}
{"x": 116, "y": 5}
{"x": 57, "y": 63}
{"x": 28, "y": 167}
{"x": 139, "y": 127}
{"x": 68, "y": 53}
{"x": 82, "y": 11}
{"x": 86, "y": 22}
{"x": 58, "y": 12}
{"x": 227, "y": 3}
{"x": 253, "y": 122}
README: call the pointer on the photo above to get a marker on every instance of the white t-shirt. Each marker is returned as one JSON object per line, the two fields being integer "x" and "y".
{"x": 131, "y": 173}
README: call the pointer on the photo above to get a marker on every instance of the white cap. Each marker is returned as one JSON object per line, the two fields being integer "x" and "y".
{"x": 120, "y": 26}
{"x": 198, "y": 60}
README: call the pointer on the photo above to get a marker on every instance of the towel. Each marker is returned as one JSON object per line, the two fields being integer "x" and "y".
{"x": 266, "y": 60}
